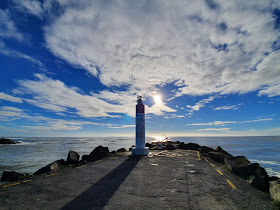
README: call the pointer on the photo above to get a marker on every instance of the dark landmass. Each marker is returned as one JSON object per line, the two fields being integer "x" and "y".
{"x": 8, "y": 141}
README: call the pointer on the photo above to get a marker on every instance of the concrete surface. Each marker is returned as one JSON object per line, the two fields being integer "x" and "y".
{"x": 178, "y": 179}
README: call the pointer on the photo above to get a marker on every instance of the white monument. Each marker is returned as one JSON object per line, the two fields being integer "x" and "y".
{"x": 140, "y": 149}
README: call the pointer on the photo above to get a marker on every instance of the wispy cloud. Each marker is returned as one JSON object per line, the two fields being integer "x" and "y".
{"x": 123, "y": 126}
{"x": 8, "y": 28}
{"x": 199, "y": 105}
{"x": 222, "y": 123}
{"x": 214, "y": 129}
{"x": 64, "y": 99}
{"x": 31, "y": 7}
{"x": 7, "y": 97}
{"x": 234, "y": 107}
{"x": 198, "y": 48}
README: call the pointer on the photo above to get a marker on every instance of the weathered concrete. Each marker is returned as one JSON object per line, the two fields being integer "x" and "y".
{"x": 177, "y": 179}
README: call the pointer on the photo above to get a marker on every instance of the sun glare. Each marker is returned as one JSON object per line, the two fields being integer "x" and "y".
{"x": 157, "y": 99}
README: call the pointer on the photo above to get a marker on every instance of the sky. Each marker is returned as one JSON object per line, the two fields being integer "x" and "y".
{"x": 75, "y": 67}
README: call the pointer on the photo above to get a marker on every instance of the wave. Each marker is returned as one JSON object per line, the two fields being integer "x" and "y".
{"x": 265, "y": 162}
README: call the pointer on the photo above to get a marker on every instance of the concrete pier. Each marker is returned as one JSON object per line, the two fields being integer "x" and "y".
{"x": 177, "y": 179}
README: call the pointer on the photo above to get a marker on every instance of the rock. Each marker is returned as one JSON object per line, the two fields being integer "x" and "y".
{"x": 60, "y": 162}
{"x": 98, "y": 153}
{"x": 274, "y": 190}
{"x": 238, "y": 161}
{"x": 219, "y": 149}
{"x": 113, "y": 152}
{"x": 8, "y": 141}
{"x": 86, "y": 157}
{"x": 52, "y": 167}
{"x": 148, "y": 145}
{"x": 170, "y": 147}
{"x": 12, "y": 176}
{"x": 272, "y": 178}
{"x": 205, "y": 149}
{"x": 121, "y": 150}
{"x": 189, "y": 146}
{"x": 73, "y": 157}
{"x": 260, "y": 180}
{"x": 218, "y": 156}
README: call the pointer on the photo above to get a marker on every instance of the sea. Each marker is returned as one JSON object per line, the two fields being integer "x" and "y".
{"x": 36, "y": 152}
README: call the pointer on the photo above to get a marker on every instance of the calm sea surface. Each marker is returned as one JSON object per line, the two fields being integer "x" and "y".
{"x": 34, "y": 153}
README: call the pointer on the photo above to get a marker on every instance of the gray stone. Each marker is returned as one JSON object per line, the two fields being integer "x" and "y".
{"x": 274, "y": 190}
{"x": 220, "y": 150}
{"x": 12, "y": 176}
{"x": 170, "y": 147}
{"x": 218, "y": 156}
{"x": 73, "y": 157}
{"x": 241, "y": 166}
{"x": 52, "y": 167}
{"x": 121, "y": 150}
{"x": 98, "y": 153}
{"x": 260, "y": 180}
{"x": 205, "y": 149}
{"x": 8, "y": 141}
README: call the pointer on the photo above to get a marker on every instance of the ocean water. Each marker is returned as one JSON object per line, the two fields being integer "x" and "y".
{"x": 34, "y": 153}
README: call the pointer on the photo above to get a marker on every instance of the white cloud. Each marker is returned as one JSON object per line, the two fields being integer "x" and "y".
{"x": 8, "y": 28}
{"x": 7, "y": 97}
{"x": 46, "y": 123}
{"x": 234, "y": 107}
{"x": 222, "y": 123}
{"x": 64, "y": 98}
{"x": 10, "y": 108}
{"x": 199, "y": 105}
{"x": 273, "y": 129}
{"x": 214, "y": 129}
{"x": 32, "y": 7}
{"x": 171, "y": 116}
{"x": 13, "y": 53}
{"x": 123, "y": 126}
{"x": 148, "y": 44}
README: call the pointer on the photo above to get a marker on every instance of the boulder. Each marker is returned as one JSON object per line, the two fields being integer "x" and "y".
{"x": 272, "y": 178}
{"x": 274, "y": 190}
{"x": 121, "y": 150}
{"x": 205, "y": 149}
{"x": 189, "y": 146}
{"x": 260, "y": 180}
{"x": 218, "y": 156}
{"x": 170, "y": 147}
{"x": 60, "y": 162}
{"x": 113, "y": 152}
{"x": 148, "y": 145}
{"x": 219, "y": 149}
{"x": 238, "y": 161}
{"x": 98, "y": 153}
{"x": 52, "y": 167}
{"x": 12, "y": 176}
{"x": 73, "y": 157}
{"x": 85, "y": 157}
{"x": 8, "y": 141}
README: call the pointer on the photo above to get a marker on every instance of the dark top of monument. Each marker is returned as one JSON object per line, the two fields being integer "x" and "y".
{"x": 139, "y": 100}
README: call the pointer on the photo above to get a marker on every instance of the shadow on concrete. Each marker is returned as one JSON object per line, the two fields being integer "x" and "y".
{"x": 98, "y": 195}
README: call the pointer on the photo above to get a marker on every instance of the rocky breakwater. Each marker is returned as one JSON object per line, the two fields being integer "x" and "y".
{"x": 72, "y": 160}
{"x": 8, "y": 141}
{"x": 256, "y": 175}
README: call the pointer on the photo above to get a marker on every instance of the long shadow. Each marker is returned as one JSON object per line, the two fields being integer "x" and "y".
{"x": 98, "y": 195}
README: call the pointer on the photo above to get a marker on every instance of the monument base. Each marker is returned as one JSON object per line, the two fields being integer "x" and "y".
{"x": 140, "y": 152}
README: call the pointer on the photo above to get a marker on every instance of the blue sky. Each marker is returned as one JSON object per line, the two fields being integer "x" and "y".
{"x": 75, "y": 67}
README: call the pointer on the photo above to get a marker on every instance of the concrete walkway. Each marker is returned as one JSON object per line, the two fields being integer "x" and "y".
{"x": 178, "y": 179}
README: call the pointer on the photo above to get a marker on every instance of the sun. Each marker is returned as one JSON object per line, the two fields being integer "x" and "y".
{"x": 157, "y": 99}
